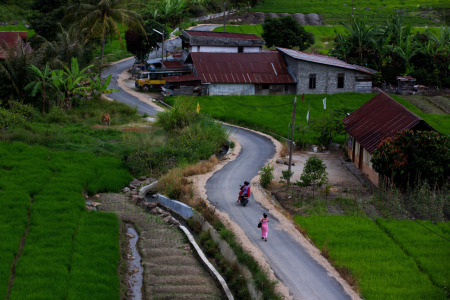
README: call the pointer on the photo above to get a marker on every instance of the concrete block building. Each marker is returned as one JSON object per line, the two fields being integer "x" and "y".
{"x": 322, "y": 74}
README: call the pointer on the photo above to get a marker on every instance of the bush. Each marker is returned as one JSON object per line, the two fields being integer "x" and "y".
{"x": 8, "y": 119}
{"x": 25, "y": 110}
{"x": 314, "y": 172}
{"x": 56, "y": 115}
{"x": 266, "y": 175}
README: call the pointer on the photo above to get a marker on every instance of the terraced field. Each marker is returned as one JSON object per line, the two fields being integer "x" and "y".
{"x": 171, "y": 270}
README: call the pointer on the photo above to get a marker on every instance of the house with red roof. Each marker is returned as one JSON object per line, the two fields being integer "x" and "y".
{"x": 259, "y": 73}
{"x": 12, "y": 39}
{"x": 380, "y": 118}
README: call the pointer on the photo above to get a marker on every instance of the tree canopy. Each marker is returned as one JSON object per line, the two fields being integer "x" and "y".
{"x": 287, "y": 33}
{"x": 411, "y": 156}
{"x": 141, "y": 45}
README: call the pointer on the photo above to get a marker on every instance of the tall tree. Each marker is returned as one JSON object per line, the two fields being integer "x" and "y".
{"x": 287, "y": 33}
{"x": 102, "y": 17}
{"x": 140, "y": 45}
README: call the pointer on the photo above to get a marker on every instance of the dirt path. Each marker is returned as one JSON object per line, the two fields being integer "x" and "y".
{"x": 171, "y": 270}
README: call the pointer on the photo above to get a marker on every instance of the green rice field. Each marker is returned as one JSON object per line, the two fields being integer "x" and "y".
{"x": 389, "y": 259}
{"x": 68, "y": 253}
{"x": 376, "y": 11}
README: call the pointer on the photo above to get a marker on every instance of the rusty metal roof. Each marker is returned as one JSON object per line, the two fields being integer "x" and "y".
{"x": 381, "y": 117}
{"x": 10, "y": 38}
{"x": 181, "y": 78}
{"x": 260, "y": 67}
{"x": 229, "y": 35}
{"x": 172, "y": 64}
{"x": 324, "y": 59}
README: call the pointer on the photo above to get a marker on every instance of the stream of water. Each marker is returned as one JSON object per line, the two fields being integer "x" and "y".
{"x": 135, "y": 269}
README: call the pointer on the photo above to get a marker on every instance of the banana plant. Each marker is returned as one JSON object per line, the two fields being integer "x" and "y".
{"x": 100, "y": 87}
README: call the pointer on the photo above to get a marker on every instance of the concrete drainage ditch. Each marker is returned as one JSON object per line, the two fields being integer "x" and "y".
{"x": 134, "y": 267}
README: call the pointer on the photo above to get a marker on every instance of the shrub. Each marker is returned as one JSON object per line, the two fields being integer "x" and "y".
{"x": 9, "y": 119}
{"x": 266, "y": 175}
{"x": 314, "y": 172}
{"x": 25, "y": 110}
{"x": 56, "y": 115}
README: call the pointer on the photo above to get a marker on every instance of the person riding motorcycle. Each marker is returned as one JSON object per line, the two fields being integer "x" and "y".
{"x": 245, "y": 191}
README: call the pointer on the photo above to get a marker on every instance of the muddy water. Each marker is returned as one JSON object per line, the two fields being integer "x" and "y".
{"x": 135, "y": 269}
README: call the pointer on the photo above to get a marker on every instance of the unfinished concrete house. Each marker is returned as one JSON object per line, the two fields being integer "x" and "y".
{"x": 260, "y": 73}
{"x": 322, "y": 74}
{"x": 381, "y": 117}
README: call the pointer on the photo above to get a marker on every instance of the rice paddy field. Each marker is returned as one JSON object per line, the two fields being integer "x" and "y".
{"x": 50, "y": 246}
{"x": 421, "y": 13}
{"x": 389, "y": 259}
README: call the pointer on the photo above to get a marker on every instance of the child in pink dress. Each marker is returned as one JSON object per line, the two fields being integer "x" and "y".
{"x": 264, "y": 226}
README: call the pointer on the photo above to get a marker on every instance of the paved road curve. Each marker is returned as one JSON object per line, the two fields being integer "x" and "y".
{"x": 291, "y": 263}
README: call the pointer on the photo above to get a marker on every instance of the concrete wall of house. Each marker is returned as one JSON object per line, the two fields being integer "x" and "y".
{"x": 223, "y": 49}
{"x": 366, "y": 167}
{"x": 230, "y": 89}
{"x": 275, "y": 89}
{"x": 326, "y": 78}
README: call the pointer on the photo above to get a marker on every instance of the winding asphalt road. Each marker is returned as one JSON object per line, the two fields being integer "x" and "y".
{"x": 291, "y": 263}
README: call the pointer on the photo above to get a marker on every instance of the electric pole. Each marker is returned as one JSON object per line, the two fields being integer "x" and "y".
{"x": 291, "y": 142}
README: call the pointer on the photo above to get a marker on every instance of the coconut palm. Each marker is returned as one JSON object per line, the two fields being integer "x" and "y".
{"x": 102, "y": 17}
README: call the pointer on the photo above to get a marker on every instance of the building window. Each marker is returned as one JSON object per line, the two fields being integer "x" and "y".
{"x": 312, "y": 81}
{"x": 240, "y": 49}
{"x": 340, "y": 81}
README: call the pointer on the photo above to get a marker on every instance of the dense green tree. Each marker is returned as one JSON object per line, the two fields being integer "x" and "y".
{"x": 141, "y": 45}
{"x": 45, "y": 16}
{"x": 287, "y": 33}
{"x": 411, "y": 156}
{"x": 314, "y": 173}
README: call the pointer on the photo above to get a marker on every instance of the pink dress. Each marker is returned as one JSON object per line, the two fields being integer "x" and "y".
{"x": 264, "y": 227}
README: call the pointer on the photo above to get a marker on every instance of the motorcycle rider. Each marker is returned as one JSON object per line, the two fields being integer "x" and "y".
{"x": 245, "y": 191}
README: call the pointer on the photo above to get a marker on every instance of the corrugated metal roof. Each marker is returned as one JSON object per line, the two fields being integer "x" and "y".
{"x": 229, "y": 35}
{"x": 381, "y": 117}
{"x": 172, "y": 64}
{"x": 261, "y": 67}
{"x": 324, "y": 59}
{"x": 181, "y": 78}
{"x": 10, "y": 37}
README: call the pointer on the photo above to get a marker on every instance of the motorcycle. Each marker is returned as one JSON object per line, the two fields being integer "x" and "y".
{"x": 243, "y": 199}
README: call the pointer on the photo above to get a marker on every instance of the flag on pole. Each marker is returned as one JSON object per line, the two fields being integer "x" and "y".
{"x": 307, "y": 117}
{"x": 198, "y": 107}
{"x": 324, "y": 103}
{"x": 303, "y": 97}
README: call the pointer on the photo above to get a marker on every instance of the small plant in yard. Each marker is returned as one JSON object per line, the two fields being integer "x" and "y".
{"x": 314, "y": 173}
{"x": 266, "y": 175}
{"x": 286, "y": 175}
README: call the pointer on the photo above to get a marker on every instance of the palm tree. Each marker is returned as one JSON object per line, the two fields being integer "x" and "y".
{"x": 101, "y": 17}
{"x": 42, "y": 81}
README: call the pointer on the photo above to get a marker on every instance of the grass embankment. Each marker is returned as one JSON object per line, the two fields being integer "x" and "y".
{"x": 273, "y": 114}
{"x": 49, "y": 188}
{"x": 391, "y": 260}
{"x": 335, "y": 11}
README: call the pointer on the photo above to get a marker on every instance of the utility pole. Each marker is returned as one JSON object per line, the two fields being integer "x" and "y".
{"x": 224, "y": 9}
{"x": 291, "y": 142}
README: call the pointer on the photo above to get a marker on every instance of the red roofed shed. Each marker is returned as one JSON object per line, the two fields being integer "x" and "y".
{"x": 381, "y": 117}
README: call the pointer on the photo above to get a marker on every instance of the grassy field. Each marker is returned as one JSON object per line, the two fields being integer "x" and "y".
{"x": 48, "y": 210}
{"x": 336, "y": 11}
{"x": 406, "y": 262}
{"x": 273, "y": 114}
